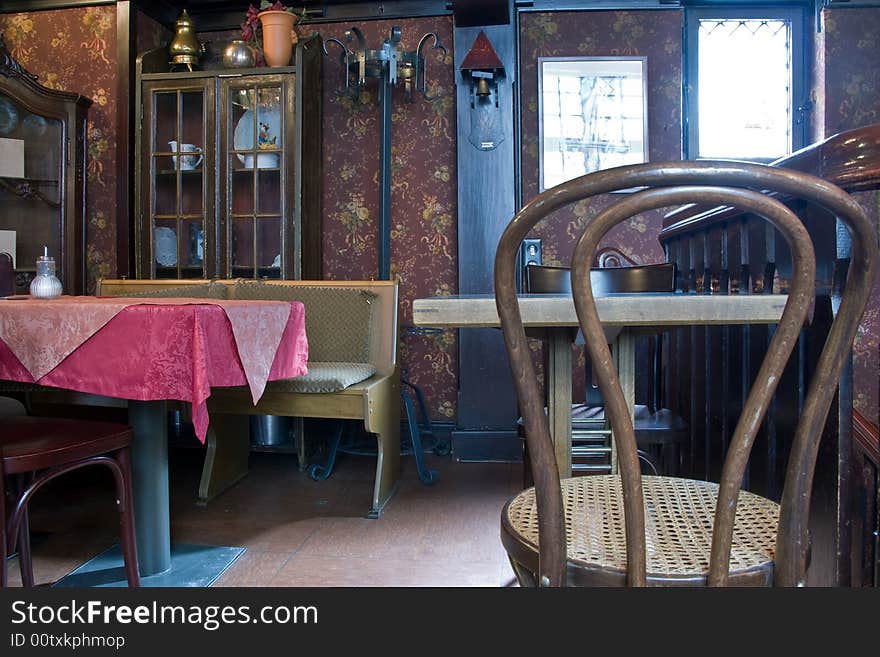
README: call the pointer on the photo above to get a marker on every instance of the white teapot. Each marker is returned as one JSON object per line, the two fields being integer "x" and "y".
{"x": 186, "y": 162}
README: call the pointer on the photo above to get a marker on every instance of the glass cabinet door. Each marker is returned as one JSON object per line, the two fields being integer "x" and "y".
{"x": 31, "y": 188}
{"x": 256, "y": 172}
{"x": 178, "y": 180}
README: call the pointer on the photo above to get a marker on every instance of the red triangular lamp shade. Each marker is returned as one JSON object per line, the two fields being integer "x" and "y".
{"x": 482, "y": 55}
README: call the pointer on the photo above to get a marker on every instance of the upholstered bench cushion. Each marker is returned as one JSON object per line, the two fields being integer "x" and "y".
{"x": 338, "y": 319}
{"x": 324, "y": 377}
{"x": 196, "y": 291}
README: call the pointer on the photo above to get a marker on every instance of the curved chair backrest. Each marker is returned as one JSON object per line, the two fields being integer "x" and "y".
{"x": 670, "y": 184}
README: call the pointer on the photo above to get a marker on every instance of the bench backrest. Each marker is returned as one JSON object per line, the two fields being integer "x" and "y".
{"x": 383, "y": 331}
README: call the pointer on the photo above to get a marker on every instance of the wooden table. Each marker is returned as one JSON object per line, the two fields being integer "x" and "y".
{"x": 555, "y": 313}
{"x": 150, "y": 351}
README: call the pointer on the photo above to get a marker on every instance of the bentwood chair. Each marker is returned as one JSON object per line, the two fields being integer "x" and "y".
{"x": 35, "y": 450}
{"x": 628, "y": 529}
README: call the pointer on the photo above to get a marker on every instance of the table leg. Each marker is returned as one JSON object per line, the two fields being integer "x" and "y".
{"x": 149, "y": 453}
{"x": 559, "y": 395}
{"x": 160, "y": 563}
{"x": 625, "y": 359}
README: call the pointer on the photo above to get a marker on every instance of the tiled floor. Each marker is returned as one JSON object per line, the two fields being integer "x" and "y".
{"x": 299, "y": 532}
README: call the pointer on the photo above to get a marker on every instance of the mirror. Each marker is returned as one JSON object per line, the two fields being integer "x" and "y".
{"x": 592, "y": 115}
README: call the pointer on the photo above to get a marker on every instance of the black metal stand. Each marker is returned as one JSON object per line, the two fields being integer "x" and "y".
{"x": 390, "y": 66}
{"x": 416, "y": 431}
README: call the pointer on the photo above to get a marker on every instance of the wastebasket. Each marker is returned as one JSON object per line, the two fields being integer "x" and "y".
{"x": 271, "y": 430}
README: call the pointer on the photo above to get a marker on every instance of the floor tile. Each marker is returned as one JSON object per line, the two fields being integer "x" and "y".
{"x": 300, "y": 532}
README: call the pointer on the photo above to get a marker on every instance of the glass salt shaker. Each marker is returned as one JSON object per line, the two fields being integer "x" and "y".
{"x": 45, "y": 284}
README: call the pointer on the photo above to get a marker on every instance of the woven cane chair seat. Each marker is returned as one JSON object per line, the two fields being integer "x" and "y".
{"x": 679, "y": 517}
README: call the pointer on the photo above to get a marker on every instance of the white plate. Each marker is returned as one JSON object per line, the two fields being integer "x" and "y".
{"x": 8, "y": 116}
{"x": 34, "y": 125}
{"x": 269, "y": 137}
{"x": 165, "y": 246}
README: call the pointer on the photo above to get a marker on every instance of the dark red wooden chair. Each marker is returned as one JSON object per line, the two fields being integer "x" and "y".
{"x": 35, "y": 450}
{"x": 637, "y": 530}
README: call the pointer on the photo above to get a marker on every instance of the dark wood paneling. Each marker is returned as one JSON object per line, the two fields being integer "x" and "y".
{"x": 866, "y": 502}
{"x": 486, "y": 202}
{"x": 722, "y": 251}
{"x": 126, "y": 31}
{"x": 310, "y": 62}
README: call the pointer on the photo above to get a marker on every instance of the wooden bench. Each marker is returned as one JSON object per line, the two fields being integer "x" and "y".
{"x": 342, "y": 348}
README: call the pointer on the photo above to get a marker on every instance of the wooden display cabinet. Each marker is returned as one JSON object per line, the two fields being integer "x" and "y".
{"x": 42, "y": 168}
{"x": 229, "y": 170}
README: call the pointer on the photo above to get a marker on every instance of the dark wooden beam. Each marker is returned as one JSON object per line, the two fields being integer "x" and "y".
{"x": 14, "y": 6}
{"x": 126, "y": 33}
{"x": 469, "y": 13}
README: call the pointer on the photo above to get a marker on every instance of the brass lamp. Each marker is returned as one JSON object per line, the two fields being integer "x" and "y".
{"x": 184, "y": 47}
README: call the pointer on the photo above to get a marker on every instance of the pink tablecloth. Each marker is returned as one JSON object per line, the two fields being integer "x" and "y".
{"x": 155, "y": 349}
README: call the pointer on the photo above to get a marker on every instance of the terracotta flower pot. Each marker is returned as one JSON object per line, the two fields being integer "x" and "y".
{"x": 278, "y": 36}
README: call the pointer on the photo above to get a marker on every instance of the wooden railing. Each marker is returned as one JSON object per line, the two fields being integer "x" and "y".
{"x": 866, "y": 504}
{"x": 709, "y": 370}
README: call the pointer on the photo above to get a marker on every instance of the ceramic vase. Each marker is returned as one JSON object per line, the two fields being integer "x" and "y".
{"x": 278, "y": 36}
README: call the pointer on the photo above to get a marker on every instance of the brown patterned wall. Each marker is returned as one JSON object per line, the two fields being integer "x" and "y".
{"x": 424, "y": 244}
{"x": 852, "y": 99}
{"x": 75, "y": 50}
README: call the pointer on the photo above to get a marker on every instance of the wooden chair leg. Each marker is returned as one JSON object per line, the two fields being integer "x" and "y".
{"x": 525, "y": 577}
{"x": 125, "y": 505}
{"x": 3, "y": 541}
{"x": 25, "y": 563}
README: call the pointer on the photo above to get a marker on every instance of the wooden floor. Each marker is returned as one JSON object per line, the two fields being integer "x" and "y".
{"x": 299, "y": 532}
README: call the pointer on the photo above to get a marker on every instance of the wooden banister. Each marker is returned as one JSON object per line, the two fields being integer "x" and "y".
{"x": 850, "y": 160}
{"x": 721, "y": 250}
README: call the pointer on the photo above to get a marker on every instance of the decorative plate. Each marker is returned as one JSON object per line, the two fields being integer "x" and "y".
{"x": 165, "y": 246}
{"x": 8, "y": 116}
{"x": 34, "y": 125}
{"x": 268, "y": 136}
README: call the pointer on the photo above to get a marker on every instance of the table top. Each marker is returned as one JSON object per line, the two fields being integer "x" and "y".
{"x": 152, "y": 349}
{"x": 641, "y": 309}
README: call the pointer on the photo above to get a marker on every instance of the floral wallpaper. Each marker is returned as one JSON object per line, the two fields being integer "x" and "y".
{"x": 653, "y": 34}
{"x": 75, "y": 50}
{"x": 424, "y": 246}
{"x": 852, "y": 99}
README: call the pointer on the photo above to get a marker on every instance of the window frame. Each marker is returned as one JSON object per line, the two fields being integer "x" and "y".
{"x": 643, "y": 74}
{"x": 798, "y": 17}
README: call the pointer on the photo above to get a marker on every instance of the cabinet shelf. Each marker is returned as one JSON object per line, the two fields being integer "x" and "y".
{"x": 50, "y": 182}
{"x": 260, "y": 169}
{"x": 28, "y": 188}
{"x": 183, "y": 172}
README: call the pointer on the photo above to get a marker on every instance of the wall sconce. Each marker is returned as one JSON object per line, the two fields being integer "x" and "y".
{"x": 388, "y": 63}
{"x": 484, "y": 68}
{"x": 392, "y": 67}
